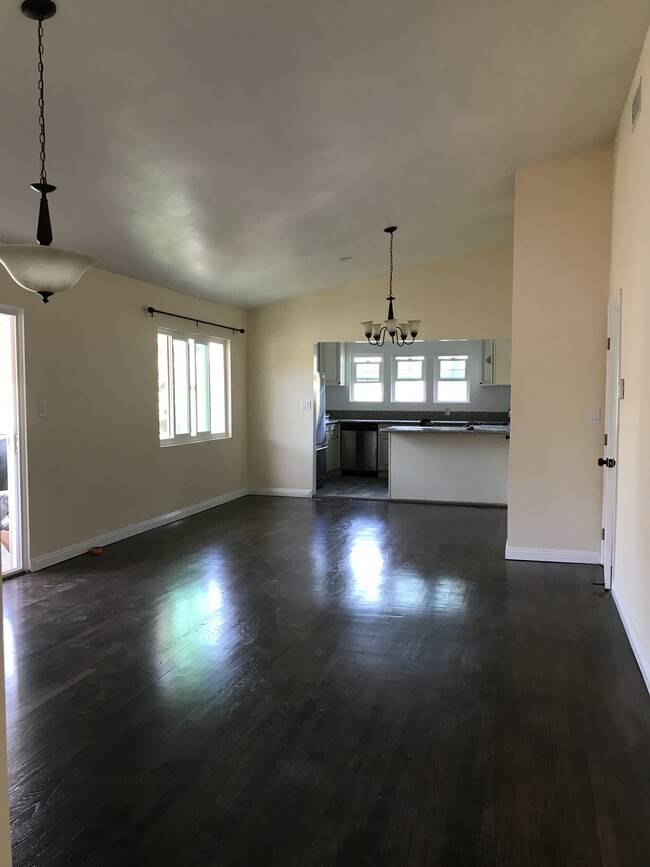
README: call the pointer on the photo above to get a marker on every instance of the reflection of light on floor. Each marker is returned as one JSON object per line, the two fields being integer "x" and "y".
{"x": 189, "y": 629}
{"x": 367, "y": 567}
{"x": 410, "y": 589}
{"x": 10, "y": 648}
{"x": 450, "y": 595}
{"x": 214, "y": 597}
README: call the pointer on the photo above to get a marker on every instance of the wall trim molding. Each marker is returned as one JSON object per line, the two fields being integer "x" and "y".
{"x": 633, "y": 637}
{"x": 551, "y": 555}
{"x": 78, "y": 548}
{"x": 280, "y": 492}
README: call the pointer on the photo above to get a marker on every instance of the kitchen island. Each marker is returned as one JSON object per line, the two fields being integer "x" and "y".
{"x": 444, "y": 464}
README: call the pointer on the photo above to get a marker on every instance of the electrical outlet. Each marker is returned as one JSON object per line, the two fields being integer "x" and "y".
{"x": 186, "y": 493}
{"x": 42, "y": 408}
{"x": 447, "y": 412}
{"x": 305, "y": 405}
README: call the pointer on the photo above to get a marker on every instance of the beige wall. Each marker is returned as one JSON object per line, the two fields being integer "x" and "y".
{"x": 631, "y": 274}
{"x": 559, "y": 317}
{"x": 95, "y": 463}
{"x": 467, "y": 296}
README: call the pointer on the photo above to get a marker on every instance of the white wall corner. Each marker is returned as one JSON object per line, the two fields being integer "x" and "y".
{"x": 280, "y": 492}
{"x": 78, "y": 548}
{"x": 551, "y": 555}
{"x": 633, "y": 637}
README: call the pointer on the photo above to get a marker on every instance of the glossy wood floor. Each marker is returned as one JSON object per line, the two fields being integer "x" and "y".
{"x": 356, "y": 487}
{"x": 292, "y": 682}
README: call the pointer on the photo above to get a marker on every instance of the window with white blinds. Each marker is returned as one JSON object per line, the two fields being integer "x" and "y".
{"x": 451, "y": 385}
{"x": 409, "y": 379}
{"x": 193, "y": 387}
{"x": 366, "y": 379}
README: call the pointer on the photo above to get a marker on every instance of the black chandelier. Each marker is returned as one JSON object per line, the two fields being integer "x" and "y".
{"x": 398, "y": 332}
{"x": 40, "y": 267}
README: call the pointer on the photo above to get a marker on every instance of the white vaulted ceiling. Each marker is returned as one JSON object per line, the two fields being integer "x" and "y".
{"x": 237, "y": 149}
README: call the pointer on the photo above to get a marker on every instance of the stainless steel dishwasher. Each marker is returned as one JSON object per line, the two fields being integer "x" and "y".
{"x": 358, "y": 448}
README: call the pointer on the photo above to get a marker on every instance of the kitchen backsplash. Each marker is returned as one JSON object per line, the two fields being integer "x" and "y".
{"x": 406, "y": 415}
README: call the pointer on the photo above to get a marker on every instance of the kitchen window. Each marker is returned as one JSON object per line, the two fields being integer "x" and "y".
{"x": 366, "y": 382}
{"x": 409, "y": 383}
{"x": 451, "y": 385}
{"x": 193, "y": 387}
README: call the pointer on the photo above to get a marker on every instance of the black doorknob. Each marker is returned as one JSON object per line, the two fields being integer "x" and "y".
{"x": 601, "y": 462}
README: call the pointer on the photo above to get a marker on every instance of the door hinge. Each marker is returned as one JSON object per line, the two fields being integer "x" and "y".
{"x": 609, "y": 343}
{"x": 602, "y": 534}
{"x": 621, "y": 389}
{"x": 605, "y": 439}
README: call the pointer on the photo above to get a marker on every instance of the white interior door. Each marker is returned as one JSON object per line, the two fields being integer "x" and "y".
{"x": 610, "y": 454}
{"x": 11, "y": 440}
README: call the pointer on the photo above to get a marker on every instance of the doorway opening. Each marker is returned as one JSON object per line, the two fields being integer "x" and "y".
{"x": 12, "y": 439}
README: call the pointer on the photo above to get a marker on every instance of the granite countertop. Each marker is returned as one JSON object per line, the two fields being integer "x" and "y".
{"x": 394, "y": 421}
{"x": 468, "y": 429}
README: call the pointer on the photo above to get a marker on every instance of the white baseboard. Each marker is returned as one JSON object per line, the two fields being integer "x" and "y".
{"x": 633, "y": 638}
{"x": 280, "y": 492}
{"x": 125, "y": 532}
{"x": 549, "y": 555}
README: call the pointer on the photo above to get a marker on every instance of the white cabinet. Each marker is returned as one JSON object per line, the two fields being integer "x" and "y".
{"x": 496, "y": 362}
{"x": 331, "y": 362}
{"x": 333, "y": 448}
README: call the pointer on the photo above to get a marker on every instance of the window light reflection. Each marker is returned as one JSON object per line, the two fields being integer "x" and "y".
{"x": 9, "y": 648}
{"x": 450, "y": 595}
{"x": 367, "y": 565}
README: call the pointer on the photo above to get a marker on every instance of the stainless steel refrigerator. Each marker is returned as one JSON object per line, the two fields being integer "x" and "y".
{"x": 321, "y": 428}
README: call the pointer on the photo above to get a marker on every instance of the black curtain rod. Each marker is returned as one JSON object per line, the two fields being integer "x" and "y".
{"x": 153, "y": 310}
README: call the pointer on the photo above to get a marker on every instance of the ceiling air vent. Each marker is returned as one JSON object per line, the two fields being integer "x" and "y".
{"x": 636, "y": 104}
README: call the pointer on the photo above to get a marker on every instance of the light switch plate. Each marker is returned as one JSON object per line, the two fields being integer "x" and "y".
{"x": 42, "y": 408}
{"x": 305, "y": 405}
{"x": 594, "y": 416}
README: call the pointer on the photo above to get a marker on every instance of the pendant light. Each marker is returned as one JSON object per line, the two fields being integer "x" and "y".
{"x": 398, "y": 332}
{"x": 39, "y": 267}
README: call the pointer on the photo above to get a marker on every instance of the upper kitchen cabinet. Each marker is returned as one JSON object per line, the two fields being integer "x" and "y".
{"x": 496, "y": 362}
{"x": 331, "y": 362}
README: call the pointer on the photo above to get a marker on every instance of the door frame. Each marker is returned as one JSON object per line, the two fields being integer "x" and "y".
{"x": 610, "y": 477}
{"x": 21, "y": 424}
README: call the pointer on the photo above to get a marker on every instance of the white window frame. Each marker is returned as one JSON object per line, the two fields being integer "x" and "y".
{"x": 204, "y": 339}
{"x": 437, "y": 378}
{"x": 394, "y": 379}
{"x": 353, "y": 380}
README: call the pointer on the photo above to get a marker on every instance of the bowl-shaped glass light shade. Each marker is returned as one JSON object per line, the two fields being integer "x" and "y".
{"x": 414, "y": 326}
{"x": 44, "y": 269}
{"x": 367, "y": 327}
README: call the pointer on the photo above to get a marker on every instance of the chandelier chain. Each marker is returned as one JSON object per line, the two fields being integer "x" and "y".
{"x": 41, "y": 101}
{"x": 391, "y": 266}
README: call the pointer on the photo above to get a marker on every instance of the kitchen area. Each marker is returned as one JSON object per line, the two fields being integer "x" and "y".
{"x": 428, "y": 422}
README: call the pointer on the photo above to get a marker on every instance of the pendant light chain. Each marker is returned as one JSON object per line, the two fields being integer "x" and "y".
{"x": 41, "y": 101}
{"x": 390, "y": 284}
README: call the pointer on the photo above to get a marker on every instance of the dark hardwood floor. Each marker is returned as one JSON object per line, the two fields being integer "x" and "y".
{"x": 330, "y": 682}
{"x": 356, "y": 487}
